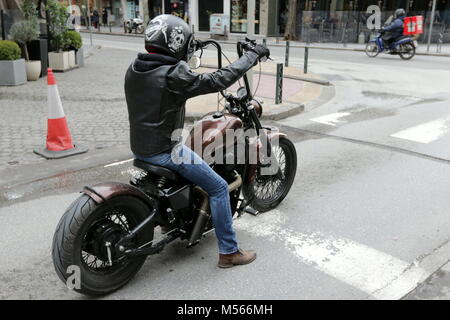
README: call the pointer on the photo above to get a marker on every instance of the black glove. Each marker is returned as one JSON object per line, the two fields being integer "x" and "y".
{"x": 261, "y": 51}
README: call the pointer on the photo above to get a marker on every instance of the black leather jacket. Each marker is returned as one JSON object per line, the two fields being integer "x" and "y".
{"x": 156, "y": 90}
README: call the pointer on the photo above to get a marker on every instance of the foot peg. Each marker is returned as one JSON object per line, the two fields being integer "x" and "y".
{"x": 250, "y": 210}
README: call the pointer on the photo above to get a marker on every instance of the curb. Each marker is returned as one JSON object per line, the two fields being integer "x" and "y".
{"x": 275, "y": 45}
{"x": 115, "y": 34}
{"x": 300, "y": 78}
{"x": 25, "y": 180}
{"x": 282, "y": 111}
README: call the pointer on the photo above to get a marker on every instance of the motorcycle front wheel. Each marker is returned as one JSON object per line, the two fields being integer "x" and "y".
{"x": 407, "y": 51}
{"x": 265, "y": 192}
{"x": 372, "y": 49}
{"x": 82, "y": 237}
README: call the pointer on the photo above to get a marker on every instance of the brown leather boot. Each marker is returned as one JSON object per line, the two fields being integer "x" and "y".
{"x": 238, "y": 258}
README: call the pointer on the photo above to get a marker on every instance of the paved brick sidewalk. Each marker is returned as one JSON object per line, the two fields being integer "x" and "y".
{"x": 94, "y": 102}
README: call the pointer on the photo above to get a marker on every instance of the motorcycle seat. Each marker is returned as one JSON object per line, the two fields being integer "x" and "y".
{"x": 156, "y": 170}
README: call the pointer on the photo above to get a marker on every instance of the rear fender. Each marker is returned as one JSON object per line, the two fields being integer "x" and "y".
{"x": 102, "y": 192}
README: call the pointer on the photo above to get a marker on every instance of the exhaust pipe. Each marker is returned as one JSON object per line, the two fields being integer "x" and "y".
{"x": 204, "y": 214}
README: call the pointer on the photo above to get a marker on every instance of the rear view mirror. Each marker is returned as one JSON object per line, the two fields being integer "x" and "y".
{"x": 194, "y": 62}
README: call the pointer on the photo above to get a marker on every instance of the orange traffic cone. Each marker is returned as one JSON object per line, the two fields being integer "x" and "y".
{"x": 59, "y": 140}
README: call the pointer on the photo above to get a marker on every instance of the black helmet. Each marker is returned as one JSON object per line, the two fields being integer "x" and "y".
{"x": 399, "y": 13}
{"x": 170, "y": 35}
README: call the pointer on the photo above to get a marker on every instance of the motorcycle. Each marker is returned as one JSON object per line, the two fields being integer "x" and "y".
{"x": 405, "y": 47}
{"x": 109, "y": 230}
{"x": 136, "y": 24}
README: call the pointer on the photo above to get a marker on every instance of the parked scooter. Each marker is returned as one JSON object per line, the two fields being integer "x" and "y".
{"x": 405, "y": 47}
{"x": 109, "y": 230}
{"x": 136, "y": 24}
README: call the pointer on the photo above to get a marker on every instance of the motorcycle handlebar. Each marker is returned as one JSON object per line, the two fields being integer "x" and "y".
{"x": 246, "y": 45}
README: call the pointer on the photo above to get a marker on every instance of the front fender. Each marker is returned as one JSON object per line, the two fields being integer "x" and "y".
{"x": 272, "y": 136}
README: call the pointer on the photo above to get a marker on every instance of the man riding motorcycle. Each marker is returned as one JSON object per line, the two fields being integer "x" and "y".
{"x": 394, "y": 31}
{"x": 157, "y": 85}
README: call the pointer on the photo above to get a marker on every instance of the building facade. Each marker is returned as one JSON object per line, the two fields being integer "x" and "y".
{"x": 316, "y": 20}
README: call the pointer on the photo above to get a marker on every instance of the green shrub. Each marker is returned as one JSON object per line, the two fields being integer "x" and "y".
{"x": 57, "y": 18}
{"x": 29, "y": 10}
{"x": 9, "y": 50}
{"x": 73, "y": 40}
{"x": 23, "y": 32}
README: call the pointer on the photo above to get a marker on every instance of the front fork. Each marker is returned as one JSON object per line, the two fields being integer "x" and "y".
{"x": 266, "y": 158}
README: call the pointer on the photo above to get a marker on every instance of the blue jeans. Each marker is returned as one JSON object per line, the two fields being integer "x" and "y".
{"x": 189, "y": 165}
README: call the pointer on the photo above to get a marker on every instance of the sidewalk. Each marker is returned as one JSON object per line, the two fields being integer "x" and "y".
{"x": 279, "y": 42}
{"x": 94, "y": 102}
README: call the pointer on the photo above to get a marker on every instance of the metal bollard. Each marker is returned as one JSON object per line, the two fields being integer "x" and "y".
{"x": 2, "y": 18}
{"x": 279, "y": 84}
{"x": 344, "y": 36}
{"x": 440, "y": 41}
{"x": 321, "y": 37}
{"x": 286, "y": 58}
{"x": 265, "y": 42}
{"x": 305, "y": 62}
{"x": 110, "y": 31}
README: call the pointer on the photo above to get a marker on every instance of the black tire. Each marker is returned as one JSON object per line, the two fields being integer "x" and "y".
{"x": 72, "y": 229}
{"x": 140, "y": 29}
{"x": 372, "y": 50}
{"x": 407, "y": 51}
{"x": 261, "y": 204}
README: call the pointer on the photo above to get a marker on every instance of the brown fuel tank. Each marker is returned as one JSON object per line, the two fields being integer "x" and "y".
{"x": 212, "y": 125}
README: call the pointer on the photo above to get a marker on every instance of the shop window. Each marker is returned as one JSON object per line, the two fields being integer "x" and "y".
{"x": 238, "y": 16}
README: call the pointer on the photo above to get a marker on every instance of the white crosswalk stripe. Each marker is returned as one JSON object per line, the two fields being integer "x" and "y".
{"x": 376, "y": 273}
{"x": 331, "y": 119}
{"x": 426, "y": 132}
{"x": 422, "y": 133}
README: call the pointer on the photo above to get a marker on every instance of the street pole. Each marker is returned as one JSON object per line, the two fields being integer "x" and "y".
{"x": 286, "y": 56}
{"x": 279, "y": 84}
{"x": 305, "y": 62}
{"x": 89, "y": 20}
{"x": 3, "y": 25}
{"x": 433, "y": 12}
{"x": 250, "y": 35}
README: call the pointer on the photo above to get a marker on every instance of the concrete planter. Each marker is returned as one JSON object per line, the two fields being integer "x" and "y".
{"x": 72, "y": 59}
{"x": 58, "y": 61}
{"x": 33, "y": 69}
{"x": 13, "y": 72}
{"x": 79, "y": 57}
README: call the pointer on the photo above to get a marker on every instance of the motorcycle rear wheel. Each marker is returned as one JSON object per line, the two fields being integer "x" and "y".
{"x": 83, "y": 219}
{"x": 407, "y": 51}
{"x": 266, "y": 192}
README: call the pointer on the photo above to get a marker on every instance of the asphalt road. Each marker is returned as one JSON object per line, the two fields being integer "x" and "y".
{"x": 367, "y": 217}
{"x": 337, "y": 56}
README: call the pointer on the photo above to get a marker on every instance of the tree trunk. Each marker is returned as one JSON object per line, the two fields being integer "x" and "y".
{"x": 290, "y": 31}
